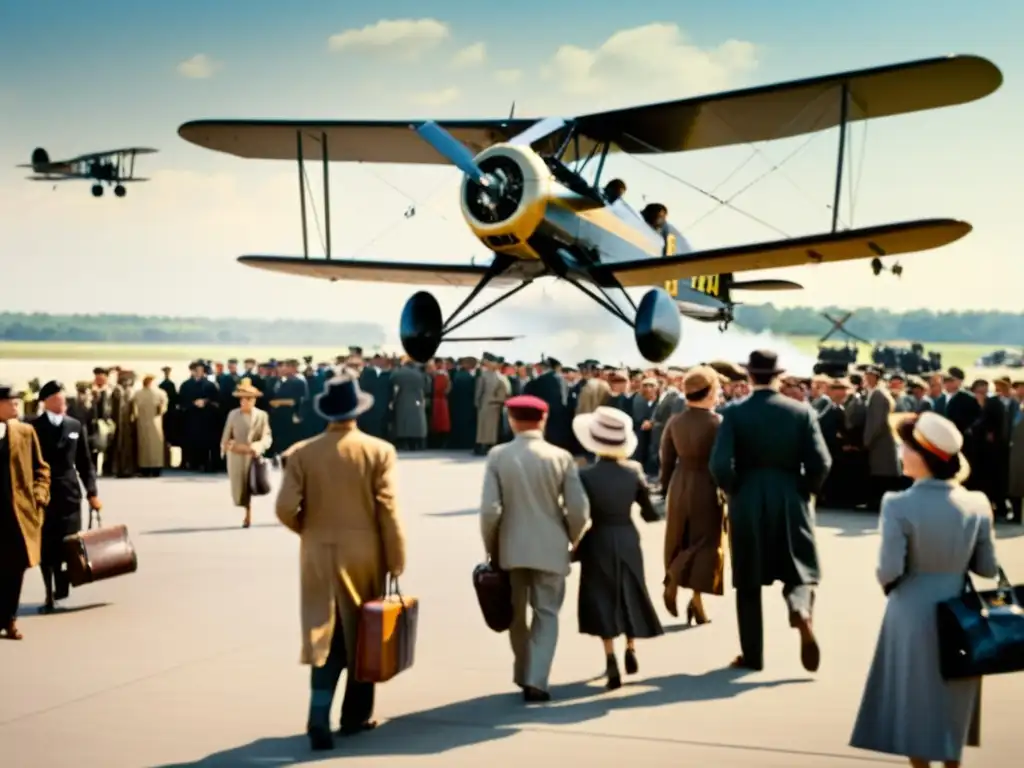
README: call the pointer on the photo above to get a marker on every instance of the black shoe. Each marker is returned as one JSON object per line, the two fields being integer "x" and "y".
{"x": 632, "y": 666}
{"x": 351, "y": 729}
{"x": 320, "y": 738}
{"x": 612, "y": 671}
{"x": 533, "y": 695}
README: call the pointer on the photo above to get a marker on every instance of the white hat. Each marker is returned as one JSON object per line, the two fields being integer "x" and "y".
{"x": 938, "y": 436}
{"x": 606, "y": 432}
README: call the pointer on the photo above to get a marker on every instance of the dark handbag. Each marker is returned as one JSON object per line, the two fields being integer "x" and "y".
{"x": 259, "y": 477}
{"x": 982, "y": 633}
{"x": 494, "y": 593}
{"x": 103, "y": 553}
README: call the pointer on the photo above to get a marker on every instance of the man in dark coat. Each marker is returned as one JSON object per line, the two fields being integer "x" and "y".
{"x": 198, "y": 398}
{"x": 227, "y": 382}
{"x": 65, "y": 448}
{"x": 837, "y": 492}
{"x": 372, "y": 421}
{"x": 550, "y": 387}
{"x": 961, "y": 407}
{"x": 172, "y": 416}
{"x": 770, "y": 457}
{"x": 462, "y": 406}
{"x": 287, "y": 401}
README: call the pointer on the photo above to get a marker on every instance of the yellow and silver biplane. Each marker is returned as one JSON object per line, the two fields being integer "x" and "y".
{"x": 532, "y": 195}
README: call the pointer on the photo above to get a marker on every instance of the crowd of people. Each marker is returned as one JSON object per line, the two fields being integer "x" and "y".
{"x": 570, "y": 450}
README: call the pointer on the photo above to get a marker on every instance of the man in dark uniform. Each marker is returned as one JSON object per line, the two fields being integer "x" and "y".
{"x": 961, "y": 407}
{"x": 368, "y": 373}
{"x": 198, "y": 398}
{"x": 268, "y": 375}
{"x": 172, "y": 416}
{"x": 102, "y": 421}
{"x": 620, "y": 398}
{"x": 462, "y": 406}
{"x": 553, "y": 390}
{"x": 287, "y": 400}
{"x": 65, "y": 448}
{"x": 251, "y": 371}
{"x": 836, "y": 493}
{"x": 770, "y": 457}
{"x": 227, "y": 382}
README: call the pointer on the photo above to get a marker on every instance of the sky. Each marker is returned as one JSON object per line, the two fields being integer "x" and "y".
{"x": 78, "y": 77}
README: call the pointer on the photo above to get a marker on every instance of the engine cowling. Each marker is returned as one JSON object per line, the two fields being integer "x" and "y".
{"x": 505, "y": 213}
{"x": 40, "y": 159}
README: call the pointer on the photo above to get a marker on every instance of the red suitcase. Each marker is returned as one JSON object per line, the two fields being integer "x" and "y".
{"x": 102, "y": 553}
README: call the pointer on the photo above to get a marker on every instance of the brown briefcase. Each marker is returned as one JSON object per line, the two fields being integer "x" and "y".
{"x": 386, "y": 643}
{"x": 99, "y": 554}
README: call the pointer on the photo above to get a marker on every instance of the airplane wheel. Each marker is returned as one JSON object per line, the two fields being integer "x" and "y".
{"x": 658, "y": 326}
{"x": 120, "y": 191}
{"x": 420, "y": 326}
{"x": 97, "y": 190}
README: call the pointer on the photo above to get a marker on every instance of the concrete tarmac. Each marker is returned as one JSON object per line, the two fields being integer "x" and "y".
{"x": 193, "y": 660}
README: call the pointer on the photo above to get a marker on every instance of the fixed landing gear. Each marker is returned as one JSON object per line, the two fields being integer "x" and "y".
{"x": 120, "y": 191}
{"x": 97, "y": 190}
{"x": 657, "y": 326}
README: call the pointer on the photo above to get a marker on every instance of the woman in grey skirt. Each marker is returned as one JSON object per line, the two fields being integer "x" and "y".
{"x": 932, "y": 535}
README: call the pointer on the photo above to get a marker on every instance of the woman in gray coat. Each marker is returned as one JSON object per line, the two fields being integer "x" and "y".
{"x": 932, "y": 535}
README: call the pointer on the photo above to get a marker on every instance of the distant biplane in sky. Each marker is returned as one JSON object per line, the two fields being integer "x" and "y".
{"x": 113, "y": 167}
{"x": 532, "y": 194}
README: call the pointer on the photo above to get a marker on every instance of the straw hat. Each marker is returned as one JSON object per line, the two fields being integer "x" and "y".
{"x": 246, "y": 389}
{"x": 606, "y": 432}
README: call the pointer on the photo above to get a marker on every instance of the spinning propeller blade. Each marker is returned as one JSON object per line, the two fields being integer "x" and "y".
{"x": 539, "y": 130}
{"x": 452, "y": 149}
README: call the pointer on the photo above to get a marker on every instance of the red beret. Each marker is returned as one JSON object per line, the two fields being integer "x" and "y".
{"x": 526, "y": 403}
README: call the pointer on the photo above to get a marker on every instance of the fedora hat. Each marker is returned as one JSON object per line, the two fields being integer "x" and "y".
{"x": 10, "y": 392}
{"x": 245, "y": 388}
{"x": 606, "y": 432}
{"x": 342, "y": 399}
{"x": 764, "y": 362}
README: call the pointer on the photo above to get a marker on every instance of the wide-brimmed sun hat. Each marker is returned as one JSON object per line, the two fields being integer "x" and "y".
{"x": 606, "y": 432}
{"x": 245, "y": 388}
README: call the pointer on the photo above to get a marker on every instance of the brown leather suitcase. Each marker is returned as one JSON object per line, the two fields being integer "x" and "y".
{"x": 494, "y": 594}
{"x": 102, "y": 553}
{"x": 386, "y": 644}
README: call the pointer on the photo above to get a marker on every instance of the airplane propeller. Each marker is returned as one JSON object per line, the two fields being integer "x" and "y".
{"x": 454, "y": 151}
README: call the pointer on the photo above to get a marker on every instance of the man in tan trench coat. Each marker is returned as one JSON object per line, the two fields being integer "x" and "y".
{"x": 338, "y": 494}
{"x": 492, "y": 389}
{"x": 533, "y": 508}
{"x": 24, "y": 494}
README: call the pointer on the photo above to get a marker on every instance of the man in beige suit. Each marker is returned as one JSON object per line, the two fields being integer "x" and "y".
{"x": 532, "y": 511}
{"x": 338, "y": 494}
{"x": 492, "y": 388}
{"x": 879, "y": 441}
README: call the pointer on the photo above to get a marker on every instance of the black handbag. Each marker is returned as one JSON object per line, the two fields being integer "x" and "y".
{"x": 982, "y": 633}
{"x": 259, "y": 477}
{"x": 494, "y": 594}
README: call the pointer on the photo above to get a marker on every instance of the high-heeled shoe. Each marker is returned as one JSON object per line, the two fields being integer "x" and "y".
{"x": 612, "y": 671}
{"x": 695, "y": 616}
{"x": 631, "y": 664}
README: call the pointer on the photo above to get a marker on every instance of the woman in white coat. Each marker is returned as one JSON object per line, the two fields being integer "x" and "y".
{"x": 246, "y": 435}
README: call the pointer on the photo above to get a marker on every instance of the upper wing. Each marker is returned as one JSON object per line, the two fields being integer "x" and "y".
{"x": 409, "y": 273}
{"x": 107, "y": 153}
{"x": 768, "y": 112}
{"x": 364, "y": 141}
{"x": 890, "y": 239}
{"x": 783, "y": 110}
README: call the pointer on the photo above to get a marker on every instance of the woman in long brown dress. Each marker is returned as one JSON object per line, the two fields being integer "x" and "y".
{"x": 694, "y": 510}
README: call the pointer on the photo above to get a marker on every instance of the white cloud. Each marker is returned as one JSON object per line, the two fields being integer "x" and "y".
{"x": 654, "y": 62}
{"x": 508, "y": 76}
{"x": 471, "y": 56}
{"x": 406, "y": 37}
{"x": 199, "y": 67}
{"x": 437, "y": 98}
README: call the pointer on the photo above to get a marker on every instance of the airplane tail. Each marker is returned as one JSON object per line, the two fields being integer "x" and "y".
{"x": 40, "y": 160}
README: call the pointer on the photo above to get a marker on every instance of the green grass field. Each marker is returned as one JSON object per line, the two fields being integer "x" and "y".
{"x": 962, "y": 355}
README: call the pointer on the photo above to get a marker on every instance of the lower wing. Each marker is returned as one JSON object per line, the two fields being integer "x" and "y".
{"x": 866, "y": 243}
{"x": 408, "y": 273}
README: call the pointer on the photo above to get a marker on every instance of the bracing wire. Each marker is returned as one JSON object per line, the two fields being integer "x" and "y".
{"x": 312, "y": 204}
{"x": 860, "y": 171}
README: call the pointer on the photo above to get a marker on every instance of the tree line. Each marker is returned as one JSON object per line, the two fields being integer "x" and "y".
{"x": 996, "y": 328}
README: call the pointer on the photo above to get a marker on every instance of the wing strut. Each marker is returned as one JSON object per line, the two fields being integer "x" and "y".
{"x": 844, "y": 114}
{"x": 304, "y": 185}
{"x": 302, "y": 194}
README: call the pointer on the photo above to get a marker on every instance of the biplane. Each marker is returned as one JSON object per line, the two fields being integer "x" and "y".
{"x": 531, "y": 194}
{"x": 113, "y": 167}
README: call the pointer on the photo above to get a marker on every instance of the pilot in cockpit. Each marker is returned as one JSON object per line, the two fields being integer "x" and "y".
{"x": 614, "y": 189}
{"x": 656, "y": 216}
